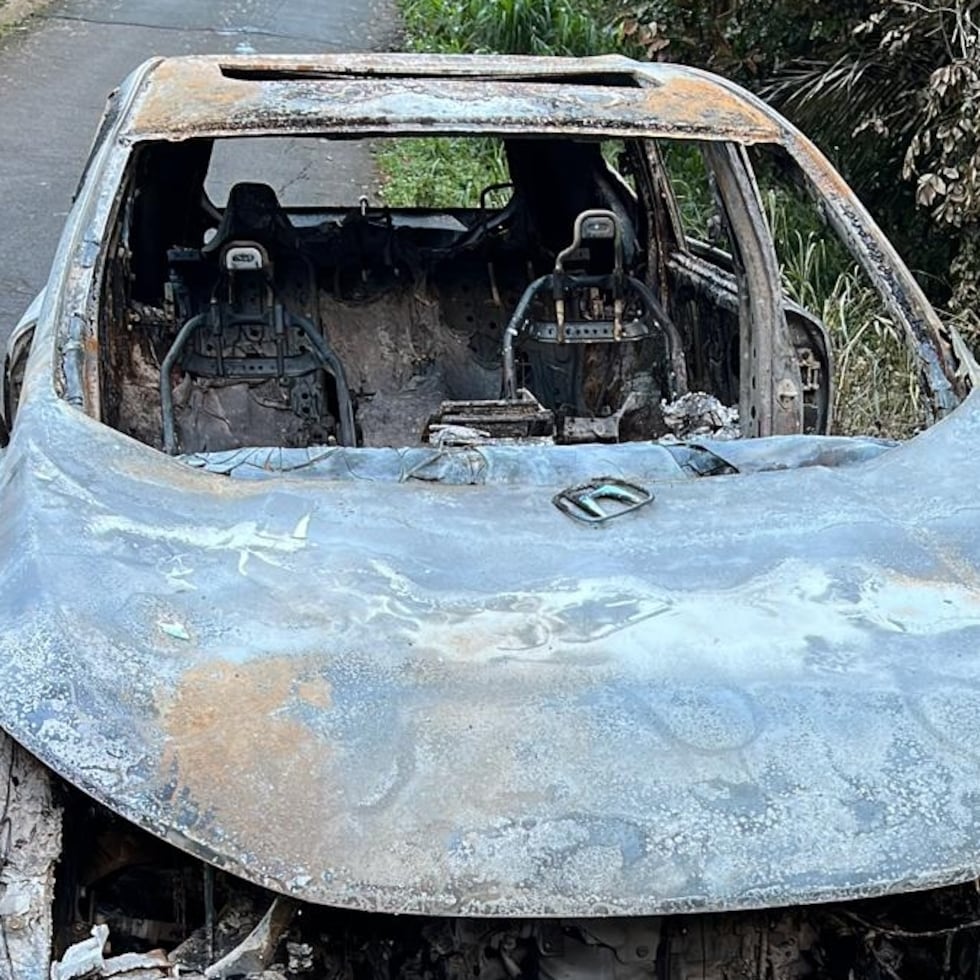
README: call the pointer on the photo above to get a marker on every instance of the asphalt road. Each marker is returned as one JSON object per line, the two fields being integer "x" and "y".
{"x": 54, "y": 80}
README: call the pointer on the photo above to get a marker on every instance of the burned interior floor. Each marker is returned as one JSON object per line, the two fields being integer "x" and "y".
{"x": 128, "y": 905}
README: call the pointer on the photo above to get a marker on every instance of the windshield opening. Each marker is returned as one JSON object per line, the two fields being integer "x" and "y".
{"x": 310, "y": 292}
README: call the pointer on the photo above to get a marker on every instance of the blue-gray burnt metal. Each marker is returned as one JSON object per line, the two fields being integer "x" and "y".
{"x": 760, "y": 689}
{"x": 397, "y": 688}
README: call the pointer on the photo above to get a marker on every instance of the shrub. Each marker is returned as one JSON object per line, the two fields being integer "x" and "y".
{"x": 539, "y": 27}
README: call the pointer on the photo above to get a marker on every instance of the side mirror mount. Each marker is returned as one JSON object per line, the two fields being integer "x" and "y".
{"x": 14, "y": 366}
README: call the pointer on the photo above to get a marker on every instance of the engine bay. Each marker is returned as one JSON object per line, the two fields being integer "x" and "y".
{"x": 131, "y": 906}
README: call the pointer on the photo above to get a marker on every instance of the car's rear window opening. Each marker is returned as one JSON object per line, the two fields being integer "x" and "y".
{"x": 278, "y": 292}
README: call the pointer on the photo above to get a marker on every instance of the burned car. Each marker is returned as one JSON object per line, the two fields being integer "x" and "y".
{"x": 474, "y": 592}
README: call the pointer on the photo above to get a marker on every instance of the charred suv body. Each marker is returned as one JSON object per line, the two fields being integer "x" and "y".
{"x": 372, "y": 606}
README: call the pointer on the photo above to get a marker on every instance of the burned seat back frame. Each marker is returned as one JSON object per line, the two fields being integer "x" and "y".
{"x": 281, "y": 343}
{"x": 594, "y": 226}
{"x": 275, "y": 319}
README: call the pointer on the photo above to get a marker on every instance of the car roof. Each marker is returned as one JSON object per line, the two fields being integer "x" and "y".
{"x": 374, "y": 94}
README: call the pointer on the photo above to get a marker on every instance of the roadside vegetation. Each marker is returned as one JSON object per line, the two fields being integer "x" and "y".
{"x": 540, "y": 27}
{"x": 887, "y": 88}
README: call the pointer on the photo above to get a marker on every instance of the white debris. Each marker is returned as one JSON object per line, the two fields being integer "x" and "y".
{"x": 82, "y": 958}
{"x": 457, "y": 435}
{"x": 700, "y": 414}
{"x": 300, "y": 957}
{"x": 128, "y": 965}
{"x": 176, "y": 631}
{"x": 87, "y": 959}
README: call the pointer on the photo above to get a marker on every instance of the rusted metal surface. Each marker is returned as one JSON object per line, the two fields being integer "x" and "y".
{"x": 759, "y": 689}
{"x": 397, "y": 93}
{"x": 30, "y": 845}
{"x": 382, "y": 695}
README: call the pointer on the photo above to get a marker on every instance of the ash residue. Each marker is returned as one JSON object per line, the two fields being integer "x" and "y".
{"x": 699, "y": 414}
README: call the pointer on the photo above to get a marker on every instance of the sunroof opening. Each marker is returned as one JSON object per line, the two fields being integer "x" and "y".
{"x": 266, "y": 73}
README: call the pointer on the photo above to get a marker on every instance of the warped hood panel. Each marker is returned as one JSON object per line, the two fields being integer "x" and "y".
{"x": 758, "y": 690}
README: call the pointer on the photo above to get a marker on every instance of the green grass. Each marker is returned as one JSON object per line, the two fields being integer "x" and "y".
{"x": 876, "y": 380}
{"x": 689, "y": 178}
{"x": 439, "y": 171}
{"x": 538, "y": 27}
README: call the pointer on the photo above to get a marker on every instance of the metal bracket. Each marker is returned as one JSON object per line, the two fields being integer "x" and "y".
{"x": 588, "y": 332}
{"x": 601, "y": 500}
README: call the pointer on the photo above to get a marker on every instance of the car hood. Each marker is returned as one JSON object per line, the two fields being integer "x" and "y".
{"x": 760, "y": 689}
